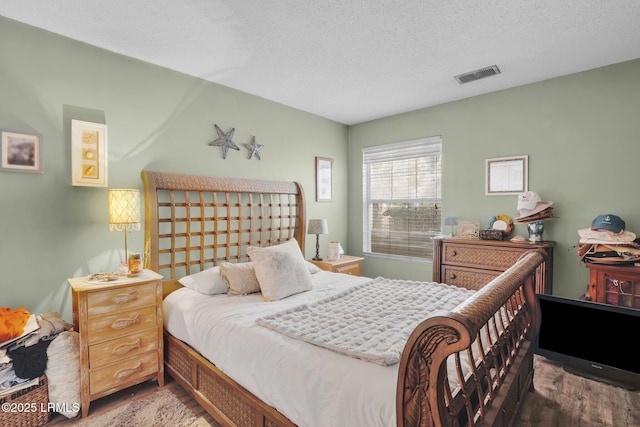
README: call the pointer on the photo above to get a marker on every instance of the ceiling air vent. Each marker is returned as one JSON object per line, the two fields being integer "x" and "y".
{"x": 477, "y": 74}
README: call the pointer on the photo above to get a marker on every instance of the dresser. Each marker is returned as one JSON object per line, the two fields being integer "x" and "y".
{"x": 473, "y": 263}
{"x": 616, "y": 285}
{"x": 120, "y": 328}
{"x": 345, "y": 264}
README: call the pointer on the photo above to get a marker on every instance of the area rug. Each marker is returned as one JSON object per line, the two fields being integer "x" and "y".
{"x": 160, "y": 409}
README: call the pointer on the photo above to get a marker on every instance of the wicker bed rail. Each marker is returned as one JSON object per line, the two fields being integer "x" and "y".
{"x": 502, "y": 319}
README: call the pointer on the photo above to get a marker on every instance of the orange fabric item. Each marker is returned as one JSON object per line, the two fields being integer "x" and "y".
{"x": 12, "y": 322}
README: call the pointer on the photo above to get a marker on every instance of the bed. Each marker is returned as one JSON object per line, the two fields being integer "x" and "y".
{"x": 470, "y": 364}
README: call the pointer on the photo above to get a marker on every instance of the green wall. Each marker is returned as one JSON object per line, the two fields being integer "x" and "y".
{"x": 157, "y": 119}
{"x": 581, "y": 133}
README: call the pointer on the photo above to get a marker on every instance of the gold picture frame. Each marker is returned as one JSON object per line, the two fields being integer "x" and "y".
{"x": 21, "y": 152}
{"x": 89, "y": 161}
{"x": 507, "y": 175}
{"x": 468, "y": 230}
{"x": 324, "y": 179}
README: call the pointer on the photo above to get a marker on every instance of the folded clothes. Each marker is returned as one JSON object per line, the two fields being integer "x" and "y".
{"x": 12, "y": 322}
{"x": 589, "y": 235}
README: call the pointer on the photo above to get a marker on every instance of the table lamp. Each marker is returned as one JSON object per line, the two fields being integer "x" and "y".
{"x": 317, "y": 227}
{"x": 124, "y": 212}
{"x": 451, "y": 221}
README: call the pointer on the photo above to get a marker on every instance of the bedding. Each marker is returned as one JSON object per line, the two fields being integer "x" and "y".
{"x": 343, "y": 322}
{"x": 310, "y": 385}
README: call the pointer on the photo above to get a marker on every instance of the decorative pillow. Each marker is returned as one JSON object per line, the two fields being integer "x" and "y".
{"x": 208, "y": 282}
{"x": 240, "y": 277}
{"x": 313, "y": 269}
{"x": 281, "y": 270}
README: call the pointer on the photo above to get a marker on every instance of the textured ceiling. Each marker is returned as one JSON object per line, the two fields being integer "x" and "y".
{"x": 352, "y": 60}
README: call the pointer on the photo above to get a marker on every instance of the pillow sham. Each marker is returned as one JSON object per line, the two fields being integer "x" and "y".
{"x": 208, "y": 282}
{"x": 281, "y": 270}
{"x": 313, "y": 269}
{"x": 240, "y": 277}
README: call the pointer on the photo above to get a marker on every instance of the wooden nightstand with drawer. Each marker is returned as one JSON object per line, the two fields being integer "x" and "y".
{"x": 120, "y": 328}
{"x": 345, "y": 264}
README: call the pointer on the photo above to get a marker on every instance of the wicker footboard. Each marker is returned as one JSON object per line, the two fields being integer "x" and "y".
{"x": 226, "y": 401}
{"x": 491, "y": 333}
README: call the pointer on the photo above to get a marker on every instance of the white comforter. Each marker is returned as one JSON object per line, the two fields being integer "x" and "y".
{"x": 311, "y": 386}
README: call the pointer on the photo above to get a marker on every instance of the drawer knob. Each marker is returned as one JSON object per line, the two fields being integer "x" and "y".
{"x": 125, "y": 373}
{"x": 454, "y": 253}
{"x": 125, "y": 323}
{"x": 452, "y": 276}
{"x": 125, "y": 298}
{"x": 126, "y": 348}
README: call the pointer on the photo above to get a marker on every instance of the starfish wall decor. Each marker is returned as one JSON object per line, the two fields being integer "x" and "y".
{"x": 254, "y": 149}
{"x": 225, "y": 141}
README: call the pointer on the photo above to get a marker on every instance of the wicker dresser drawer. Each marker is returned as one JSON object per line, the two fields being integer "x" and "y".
{"x": 489, "y": 258}
{"x": 127, "y": 371}
{"x": 120, "y": 348}
{"x": 474, "y": 263}
{"x": 102, "y": 328}
{"x": 122, "y": 298}
{"x": 468, "y": 278}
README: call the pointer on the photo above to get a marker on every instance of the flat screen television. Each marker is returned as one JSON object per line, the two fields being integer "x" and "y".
{"x": 594, "y": 340}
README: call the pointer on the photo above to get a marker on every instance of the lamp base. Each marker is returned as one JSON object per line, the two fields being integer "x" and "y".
{"x": 316, "y": 258}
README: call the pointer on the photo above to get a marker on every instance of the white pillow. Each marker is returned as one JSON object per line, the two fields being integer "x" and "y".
{"x": 281, "y": 270}
{"x": 313, "y": 269}
{"x": 208, "y": 282}
{"x": 240, "y": 277}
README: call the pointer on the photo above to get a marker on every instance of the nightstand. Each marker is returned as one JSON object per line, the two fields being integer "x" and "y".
{"x": 345, "y": 264}
{"x": 120, "y": 328}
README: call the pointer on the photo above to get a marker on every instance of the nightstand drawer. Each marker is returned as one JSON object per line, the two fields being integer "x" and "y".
{"x": 121, "y": 298}
{"x": 354, "y": 269}
{"x": 121, "y": 348}
{"x": 123, "y": 372}
{"x": 102, "y": 328}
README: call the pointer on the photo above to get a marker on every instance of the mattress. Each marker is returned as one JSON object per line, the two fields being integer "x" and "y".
{"x": 310, "y": 385}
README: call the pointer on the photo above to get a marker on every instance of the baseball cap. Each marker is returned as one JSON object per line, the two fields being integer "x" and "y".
{"x": 608, "y": 222}
{"x": 528, "y": 200}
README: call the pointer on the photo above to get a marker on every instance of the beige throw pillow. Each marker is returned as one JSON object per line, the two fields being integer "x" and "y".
{"x": 240, "y": 277}
{"x": 281, "y": 270}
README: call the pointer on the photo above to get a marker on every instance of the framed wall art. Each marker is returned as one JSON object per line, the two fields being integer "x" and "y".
{"x": 507, "y": 175}
{"x": 468, "y": 229}
{"x": 21, "y": 152}
{"x": 324, "y": 179}
{"x": 89, "y": 154}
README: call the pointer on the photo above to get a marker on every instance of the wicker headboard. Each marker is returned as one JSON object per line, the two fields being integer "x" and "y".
{"x": 196, "y": 222}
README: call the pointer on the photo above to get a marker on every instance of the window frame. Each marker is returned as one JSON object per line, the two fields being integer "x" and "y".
{"x": 432, "y": 145}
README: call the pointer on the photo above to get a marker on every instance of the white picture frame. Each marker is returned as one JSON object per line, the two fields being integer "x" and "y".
{"x": 324, "y": 179}
{"x": 507, "y": 175}
{"x": 89, "y": 162}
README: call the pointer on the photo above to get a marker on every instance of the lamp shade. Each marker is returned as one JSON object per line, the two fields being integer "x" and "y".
{"x": 451, "y": 220}
{"x": 124, "y": 209}
{"x": 318, "y": 226}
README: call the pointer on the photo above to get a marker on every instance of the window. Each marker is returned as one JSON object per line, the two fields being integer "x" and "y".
{"x": 402, "y": 198}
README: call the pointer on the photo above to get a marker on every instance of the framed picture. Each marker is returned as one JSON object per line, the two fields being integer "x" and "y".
{"x": 507, "y": 175}
{"x": 324, "y": 179}
{"x": 88, "y": 154}
{"x": 468, "y": 229}
{"x": 21, "y": 152}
